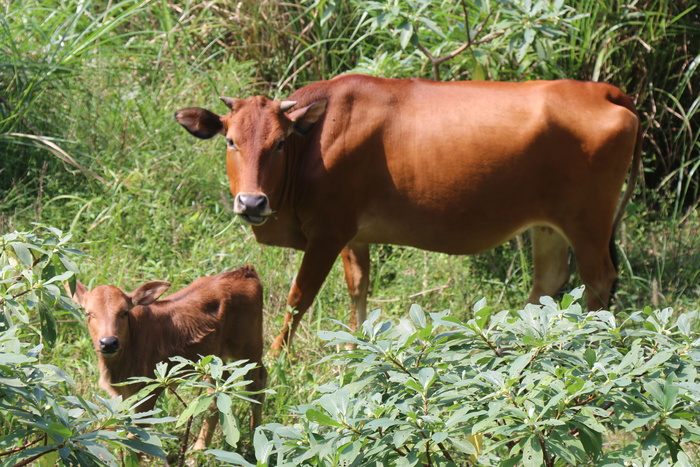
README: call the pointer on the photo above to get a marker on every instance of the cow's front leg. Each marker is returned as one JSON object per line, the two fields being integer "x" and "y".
{"x": 315, "y": 266}
{"x": 356, "y": 264}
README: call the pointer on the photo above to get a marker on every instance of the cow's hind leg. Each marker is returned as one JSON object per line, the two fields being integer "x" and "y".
{"x": 550, "y": 258}
{"x": 356, "y": 264}
{"x": 596, "y": 268}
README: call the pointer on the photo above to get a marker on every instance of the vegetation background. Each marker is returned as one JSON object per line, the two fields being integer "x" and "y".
{"x": 88, "y": 143}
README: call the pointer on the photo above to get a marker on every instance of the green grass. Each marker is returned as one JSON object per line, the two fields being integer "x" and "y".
{"x": 102, "y": 84}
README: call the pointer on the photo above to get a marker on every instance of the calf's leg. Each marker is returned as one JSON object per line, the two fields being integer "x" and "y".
{"x": 258, "y": 377}
{"x": 208, "y": 427}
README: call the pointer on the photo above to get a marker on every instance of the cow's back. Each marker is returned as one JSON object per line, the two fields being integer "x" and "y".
{"x": 220, "y": 315}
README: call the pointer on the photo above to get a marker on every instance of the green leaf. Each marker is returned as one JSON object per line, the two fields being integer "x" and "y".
{"x": 426, "y": 377}
{"x": 405, "y": 29}
{"x": 464, "y": 446}
{"x": 23, "y": 253}
{"x": 223, "y": 402}
{"x": 640, "y": 421}
{"x": 138, "y": 445}
{"x": 229, "y": 426}
{"x": 670, "y": 393}
{"x": 519, "y": 364}
{"x": 432, "y": 25}
{"x": 592, "y": 440}
{"x": 328, "y": 12}
{"x": 232, "y": 458}
{"x": 478, "y": 73}
{"x": 478, "y": 306}
{"x": 482, "y": 314}
{"x": 683, "y": 324}
{"x": 319, "y": 417}
{"x": 48, "y": 325}
{"x": 100, "y": 452}
{"x": 263, "y": 447}
{"x": 68, "y": 263}
{"x": 417, "y": 316}
{"x": 532, "y": 453}
{"x": 400, "y": 437}
{"x": 656, "y": 391}
{"x": 381, "y": 423}
{"x": 58, "y": 429}
{"x": 196, "y": 407}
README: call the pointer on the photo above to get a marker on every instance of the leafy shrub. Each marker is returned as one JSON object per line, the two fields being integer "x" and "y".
{"x": 216, "y": 384}
{"x": 548, "y": 385}
{"x": 38, "y": 420}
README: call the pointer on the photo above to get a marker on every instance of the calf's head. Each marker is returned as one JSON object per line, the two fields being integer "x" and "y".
{"x": 107, "y": 310}
{"x": 255, "y": 131}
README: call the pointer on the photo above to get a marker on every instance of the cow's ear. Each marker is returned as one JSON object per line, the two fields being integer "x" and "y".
{"x": 148, "y": 292}
{"x": 304, "y": 119}
{"x": 80, "y": 292}
{"x": 200, "y": 122}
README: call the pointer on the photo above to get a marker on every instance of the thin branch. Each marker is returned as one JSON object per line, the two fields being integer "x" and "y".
{"x": 33, "y": 458}
{"x": 446, "y": 453}
{"x": 547, "y": 461}
{"x": 437, "y": 61}
{"x": 26, "y": 446}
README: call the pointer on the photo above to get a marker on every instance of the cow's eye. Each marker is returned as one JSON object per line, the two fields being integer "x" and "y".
{"x": 123, "y": 314}
{"x": 280, "y": 145}
{"x": 230, "y": 143}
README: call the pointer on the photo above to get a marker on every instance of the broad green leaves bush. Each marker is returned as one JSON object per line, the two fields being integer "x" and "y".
{"x": 216, "y": 383}
{"x": 547, "y": 385}
{"x": 39, "y": 422}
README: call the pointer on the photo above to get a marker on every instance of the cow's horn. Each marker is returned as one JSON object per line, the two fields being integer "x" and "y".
{"x": 229, "y": 101}
{"x": 286, "y": 105}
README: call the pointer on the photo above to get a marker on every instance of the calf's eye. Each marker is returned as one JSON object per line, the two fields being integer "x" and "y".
{"x": 280, "y": 145}
{"x": 230, "y": 143}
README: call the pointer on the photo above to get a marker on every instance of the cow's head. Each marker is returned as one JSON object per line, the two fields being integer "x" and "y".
{"x": 107, "y": 310}
{"x": 255, "y": 131}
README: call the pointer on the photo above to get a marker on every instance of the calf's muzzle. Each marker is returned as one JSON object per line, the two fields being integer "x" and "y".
{"x": 109, "y": 345}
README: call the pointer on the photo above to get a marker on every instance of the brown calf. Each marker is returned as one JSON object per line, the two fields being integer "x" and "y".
{"x": 217, "y": 315}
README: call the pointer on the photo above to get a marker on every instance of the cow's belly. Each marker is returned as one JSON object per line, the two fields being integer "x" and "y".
{"x": 458, "y": 234}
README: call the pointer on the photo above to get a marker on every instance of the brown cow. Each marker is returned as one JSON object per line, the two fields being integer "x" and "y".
{"x": 454, "y": 167}
{"x": 217, "y": 315}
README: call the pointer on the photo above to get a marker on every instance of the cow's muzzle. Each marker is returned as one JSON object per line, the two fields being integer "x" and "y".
{"x": 109, "y": 345}
{"x": 254, "y": 208}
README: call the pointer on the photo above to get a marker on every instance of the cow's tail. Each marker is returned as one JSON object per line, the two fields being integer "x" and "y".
{"x": 635, "y": 168}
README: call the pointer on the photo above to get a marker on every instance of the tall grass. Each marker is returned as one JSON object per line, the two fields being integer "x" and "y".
{"x": 88, "y": 144}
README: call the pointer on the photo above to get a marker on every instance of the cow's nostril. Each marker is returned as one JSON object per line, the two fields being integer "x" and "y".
{"x": 109, "y": 344}
{"x": 251, "y": 203}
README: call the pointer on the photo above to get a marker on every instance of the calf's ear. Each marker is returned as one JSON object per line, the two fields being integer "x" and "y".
{"x": 200, "y": 122}
{"x": 80, "y": 292}
{"x": 148, "y": 292}
{"x": 305, "y": 118}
